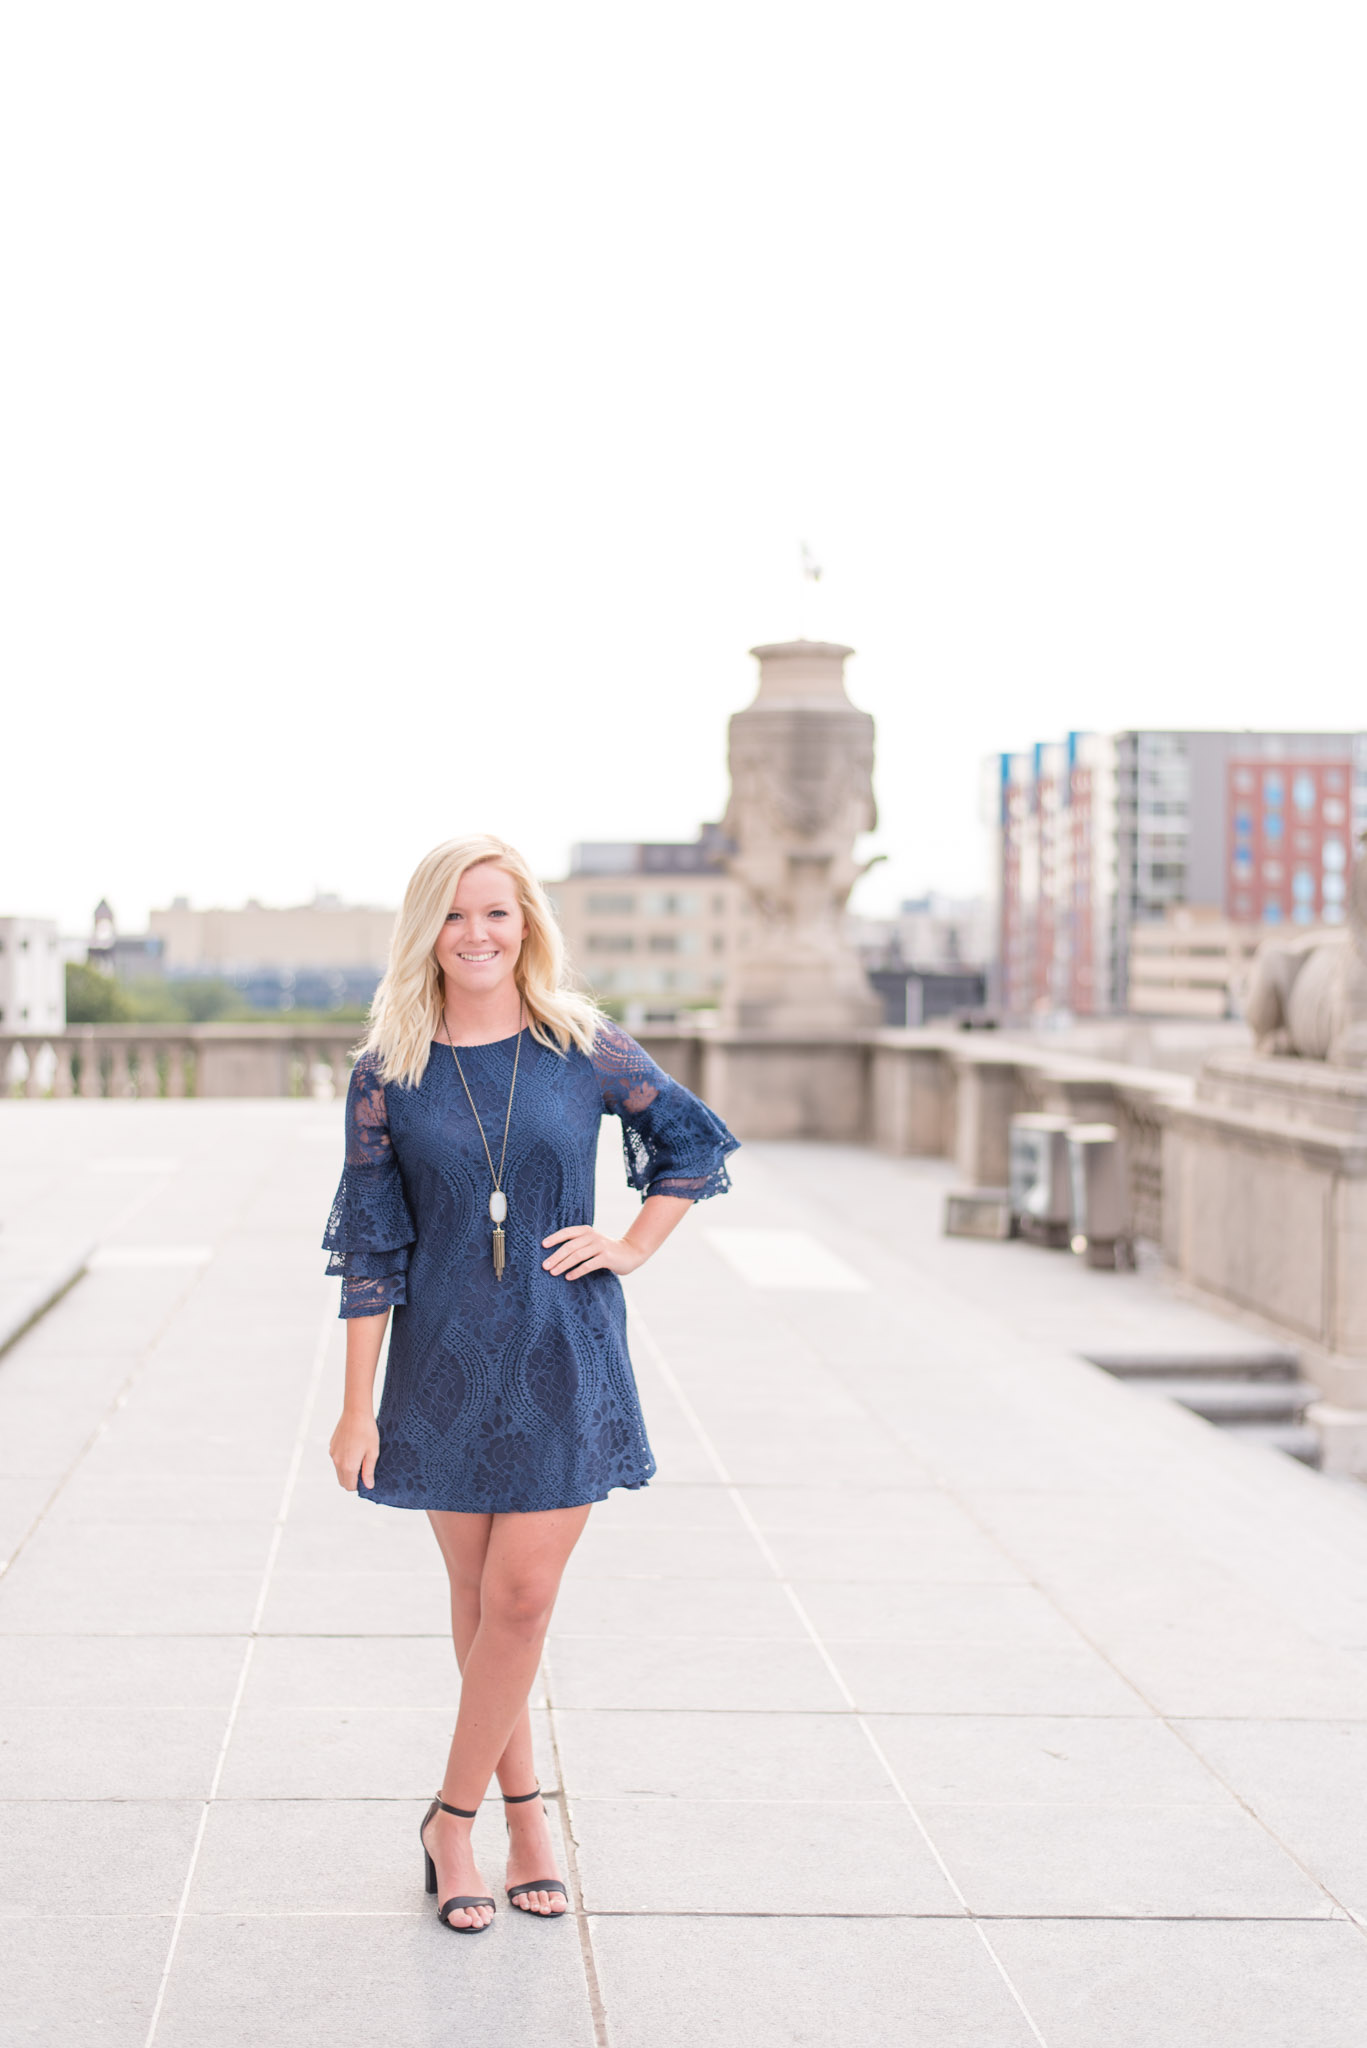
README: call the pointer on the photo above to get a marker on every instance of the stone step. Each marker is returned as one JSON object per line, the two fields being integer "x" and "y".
{"x": 1295, "y": 1439}
{"x": 1255, "y": 1362}
{"x": 1228, "y": 1401}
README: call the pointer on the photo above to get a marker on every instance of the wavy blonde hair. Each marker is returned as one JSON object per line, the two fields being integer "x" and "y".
{"x": 410, "y": 1000}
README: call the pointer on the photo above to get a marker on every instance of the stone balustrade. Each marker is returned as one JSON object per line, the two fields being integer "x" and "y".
{"x": 143, "y": 1061}
{"x": 935, "y": 1092}
{"x": 953, "y": 1094}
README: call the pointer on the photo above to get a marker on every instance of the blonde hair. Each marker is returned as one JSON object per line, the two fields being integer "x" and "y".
{"x": 409, "y": 1002}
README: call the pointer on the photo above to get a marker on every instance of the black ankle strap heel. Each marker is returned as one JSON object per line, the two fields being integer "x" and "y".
{"x": 461, "y": 1813}
{"x": 538, "y": 1884}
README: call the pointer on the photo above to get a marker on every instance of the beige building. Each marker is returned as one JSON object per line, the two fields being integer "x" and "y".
{"x": 1190, "y": 963}
{"x": 650, "y": 926}
{"x": 325, "y": 933}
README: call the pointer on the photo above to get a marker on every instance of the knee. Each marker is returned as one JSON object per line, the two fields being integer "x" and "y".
{"x": 465, "y": 1600}
{"x": 523, "y": 1603}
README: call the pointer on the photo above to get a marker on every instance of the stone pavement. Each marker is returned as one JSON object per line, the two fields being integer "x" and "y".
{"x": 942, "y": 1691}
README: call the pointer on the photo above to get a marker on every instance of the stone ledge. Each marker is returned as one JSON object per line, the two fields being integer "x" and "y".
{"x": 1343, "y": 1153}
{"x": 32, "y": 1277}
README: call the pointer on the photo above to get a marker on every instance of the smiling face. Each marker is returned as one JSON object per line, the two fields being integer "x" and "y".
{"x": 478, "y": 945}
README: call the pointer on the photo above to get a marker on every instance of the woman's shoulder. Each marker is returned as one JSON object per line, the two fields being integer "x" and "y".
{"x": 612, "y": 1042}
{"x": 367, "y": 1069}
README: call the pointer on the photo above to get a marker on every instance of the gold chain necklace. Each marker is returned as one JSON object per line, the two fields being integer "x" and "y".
{"x": 498, "y": 1201}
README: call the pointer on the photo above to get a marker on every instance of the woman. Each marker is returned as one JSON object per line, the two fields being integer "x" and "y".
{"x": 466, "y": 1211}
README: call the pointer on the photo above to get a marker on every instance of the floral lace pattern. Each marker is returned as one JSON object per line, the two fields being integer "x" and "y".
{"x": 518, "y": 1395}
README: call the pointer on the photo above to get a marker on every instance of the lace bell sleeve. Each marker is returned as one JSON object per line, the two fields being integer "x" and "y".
{"x": 673, "y": 1143}
{"x": 370, "y": 1228}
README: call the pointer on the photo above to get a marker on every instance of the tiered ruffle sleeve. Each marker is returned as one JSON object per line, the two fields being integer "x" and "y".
{"x": 673, "y": 1143}
{"x": 370, "y": 1228}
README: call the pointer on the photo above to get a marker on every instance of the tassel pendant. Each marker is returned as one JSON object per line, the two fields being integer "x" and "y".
{"x": 500, "y": 1244}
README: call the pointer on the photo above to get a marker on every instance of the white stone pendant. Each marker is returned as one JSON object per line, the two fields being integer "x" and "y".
{"x": 498, "y": 1206}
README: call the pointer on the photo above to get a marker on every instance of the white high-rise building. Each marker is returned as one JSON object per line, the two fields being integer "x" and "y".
{"x": 32, "y": 975}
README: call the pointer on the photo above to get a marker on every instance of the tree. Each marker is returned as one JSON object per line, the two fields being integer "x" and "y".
{"x": 93, "y": 997}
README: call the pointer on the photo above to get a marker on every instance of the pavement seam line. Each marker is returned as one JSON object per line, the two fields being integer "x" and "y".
{"x": 718, "y": 1464}
{"x": 320, "y": 1352}
{"x": 592, "y": 1982}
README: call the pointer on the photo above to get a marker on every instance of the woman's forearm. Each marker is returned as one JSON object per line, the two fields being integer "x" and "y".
{"x": 364, "y": 1341}
{"x": 659, "y": 1215}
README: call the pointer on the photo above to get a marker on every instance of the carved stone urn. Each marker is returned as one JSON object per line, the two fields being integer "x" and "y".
{"x": 801, "y": 758}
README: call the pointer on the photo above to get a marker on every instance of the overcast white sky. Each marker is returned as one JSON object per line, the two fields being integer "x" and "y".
{"x": 411, "y": 414}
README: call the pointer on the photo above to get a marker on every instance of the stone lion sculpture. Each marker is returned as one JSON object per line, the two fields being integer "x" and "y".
{"x": 1307, "y": 996}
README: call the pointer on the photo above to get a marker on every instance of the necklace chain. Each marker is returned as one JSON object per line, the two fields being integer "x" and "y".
{"x": 517, "y": 1052}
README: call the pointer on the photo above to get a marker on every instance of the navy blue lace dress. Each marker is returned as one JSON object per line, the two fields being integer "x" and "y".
{"x": 512, "y": 1395}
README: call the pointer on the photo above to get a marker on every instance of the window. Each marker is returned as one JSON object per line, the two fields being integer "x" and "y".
{"x": 670, "y": 903}
{"x": 1243, "y": 779}
{"x": 1334, "y": 856}
{"x": 1303, "y": 886}
{"x": 1303, "y": 792}
{"x": 1243, "y": 868}
{"x": 1272, "y": 913}
{"x": 663, "y": 942}
{"x": 1272, "y": 787}
{"x": 611, "y": 942}
{"x": 1243, "y": 819}
{"x": 611, "y": 906}
{"x": 1334, "y": 888}
{"x": 1272, "y": 871}
{"x": 1272, "y": 825}
{"x": 1334, "y": 811}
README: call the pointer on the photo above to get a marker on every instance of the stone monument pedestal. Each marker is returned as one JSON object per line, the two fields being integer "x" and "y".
{"x": 768, "y": 1085}
{"x": 801, "y": 759}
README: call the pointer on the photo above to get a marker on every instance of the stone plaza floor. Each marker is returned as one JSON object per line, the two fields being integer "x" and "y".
{"x": 941, "y": 1692}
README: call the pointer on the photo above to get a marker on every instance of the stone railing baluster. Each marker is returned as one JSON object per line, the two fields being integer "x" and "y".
{"x": 63, "y": 1083}
{"x": 89, "y": 1050}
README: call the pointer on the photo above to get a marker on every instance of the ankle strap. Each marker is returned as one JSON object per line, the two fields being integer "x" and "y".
{"x": 521, "y": 1798}
{"x": 461, "y": 1812}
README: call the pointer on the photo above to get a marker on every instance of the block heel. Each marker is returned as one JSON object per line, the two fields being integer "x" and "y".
{"x": 430, "y": 1870}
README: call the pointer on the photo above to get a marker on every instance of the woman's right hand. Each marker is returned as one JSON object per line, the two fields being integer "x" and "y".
{"x": 354, "y": 1448}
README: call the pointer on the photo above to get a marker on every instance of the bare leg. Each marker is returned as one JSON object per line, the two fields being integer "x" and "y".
{"x": 523, "y": 1559}
{"x": 464, "y": 1543}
